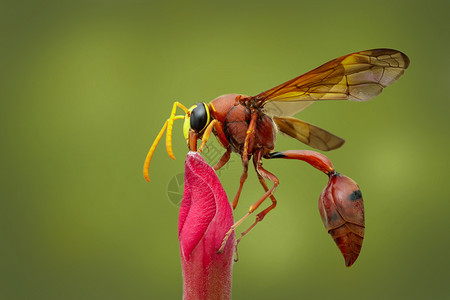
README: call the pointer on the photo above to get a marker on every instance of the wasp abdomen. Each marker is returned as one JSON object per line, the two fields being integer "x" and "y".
{"x": 342, "y": 210}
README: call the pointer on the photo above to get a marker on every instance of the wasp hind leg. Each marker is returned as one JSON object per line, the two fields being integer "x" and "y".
{"x": 261, "y": 215}
{"x": 262, "y": 173}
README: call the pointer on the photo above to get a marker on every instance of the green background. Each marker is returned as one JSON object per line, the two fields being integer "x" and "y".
{"x": 85, "y": 86}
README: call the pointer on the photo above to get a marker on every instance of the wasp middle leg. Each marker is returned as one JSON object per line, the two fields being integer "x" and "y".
{"x": 245, "y": 155}
{"x": 264, "y": 174}
{"x": 223, "y": 160}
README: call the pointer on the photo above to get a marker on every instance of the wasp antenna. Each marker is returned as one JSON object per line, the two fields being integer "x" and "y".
{"x": 169, "y": 135}
{"x": 155, "y": 143}
{"x": 170, "y": 126}
{"x": 152, "y": 149}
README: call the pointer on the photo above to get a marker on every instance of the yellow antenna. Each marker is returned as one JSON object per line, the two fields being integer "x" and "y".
{"x": 167, "y": 125}
{"x": 170, "y": 126}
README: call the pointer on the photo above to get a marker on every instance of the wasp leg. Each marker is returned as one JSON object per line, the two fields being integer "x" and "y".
{"x": 269, "y": 192}
{"x": 219, "y": 131}
{"x": 259, "y": 217}
{"x": 221, "y": 137}
{"x": 192, "y": 140}
{"x": 170, "y": 126}
{"x": 266, "y": 174}
{"x": 153, "y": 147}
{"x": 241, "y": 182}
{"x": 207, "y": 134}
{"x": 263, "y": 173}
{"x": 250, "y": 132}
{"x": 225, "y": 158}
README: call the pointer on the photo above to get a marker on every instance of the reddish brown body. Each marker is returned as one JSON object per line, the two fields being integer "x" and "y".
{"x": 247, "y": 125}
{"x": 342, "y": 215}
{"x": 234, "y": 118}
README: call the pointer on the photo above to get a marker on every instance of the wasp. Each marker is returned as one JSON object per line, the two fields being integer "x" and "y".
{"x": 248, "y": 125}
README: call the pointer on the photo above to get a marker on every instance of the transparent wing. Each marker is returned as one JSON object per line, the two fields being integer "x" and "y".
{"x": 308, "y": 134}
{"x": 359, "y": 76}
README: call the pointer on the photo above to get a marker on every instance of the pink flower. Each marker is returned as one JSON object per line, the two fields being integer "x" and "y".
{"x": 205, "y": 217}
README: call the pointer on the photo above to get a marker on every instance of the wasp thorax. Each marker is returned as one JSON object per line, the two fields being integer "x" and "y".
{"x": 199, "y": 117}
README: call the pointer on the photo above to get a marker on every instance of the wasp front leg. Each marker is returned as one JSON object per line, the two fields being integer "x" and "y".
{"x": 218, "y": 130}
{"x": 207, "y": 134}
{"x": 192, "y": 142}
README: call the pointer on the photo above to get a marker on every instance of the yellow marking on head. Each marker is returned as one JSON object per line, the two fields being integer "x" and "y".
{"x": 208, "y": 120}
{"x": 187, "y": 123}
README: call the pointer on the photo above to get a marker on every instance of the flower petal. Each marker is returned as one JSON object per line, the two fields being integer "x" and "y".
{"x": 205, "y": 217}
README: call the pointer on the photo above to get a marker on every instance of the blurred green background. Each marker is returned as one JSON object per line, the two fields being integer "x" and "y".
{"x": 87, "y": 85}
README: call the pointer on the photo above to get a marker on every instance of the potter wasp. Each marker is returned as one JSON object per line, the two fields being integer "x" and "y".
{"x": 248, "y": 126}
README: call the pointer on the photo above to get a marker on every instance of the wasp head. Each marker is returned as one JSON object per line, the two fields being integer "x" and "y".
{"x": 197, "y": 119}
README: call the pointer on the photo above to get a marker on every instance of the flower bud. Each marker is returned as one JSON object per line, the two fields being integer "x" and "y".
{"x": 205, "y": 217}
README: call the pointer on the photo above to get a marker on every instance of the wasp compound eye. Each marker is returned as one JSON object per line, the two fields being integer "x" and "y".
{"x": 199, "y": 117}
